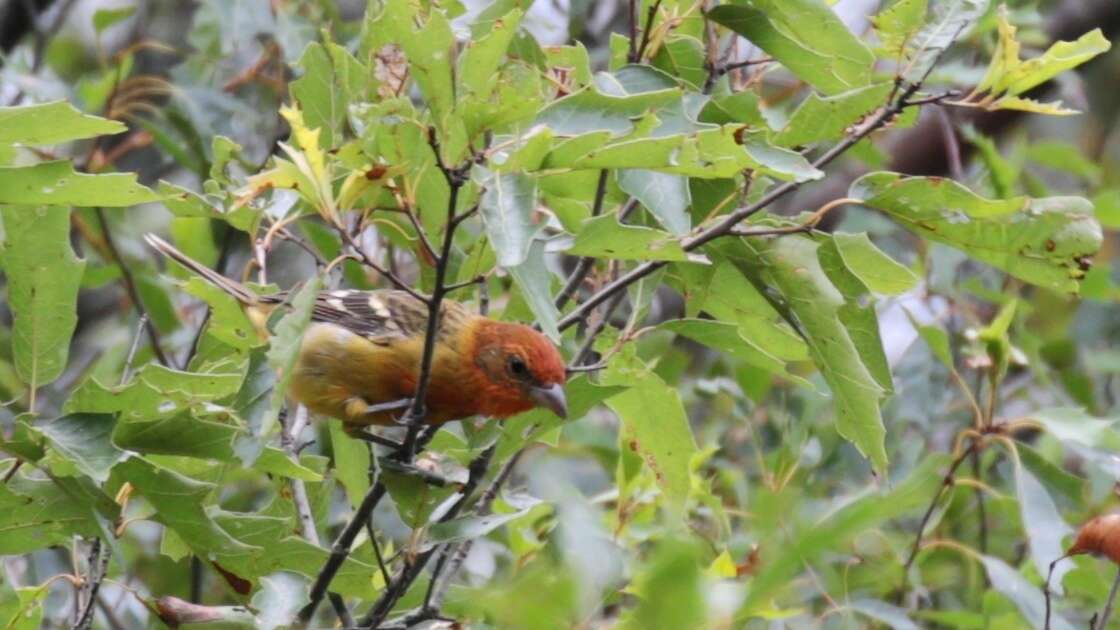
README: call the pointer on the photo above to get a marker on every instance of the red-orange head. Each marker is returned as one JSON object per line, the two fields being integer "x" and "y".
{"x": 516, "y": 369}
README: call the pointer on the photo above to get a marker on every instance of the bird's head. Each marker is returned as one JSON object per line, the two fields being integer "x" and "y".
{"x": 518, "y": 369}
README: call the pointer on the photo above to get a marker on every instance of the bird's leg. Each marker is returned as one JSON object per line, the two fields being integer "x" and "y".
{"x": 358, "y": 409}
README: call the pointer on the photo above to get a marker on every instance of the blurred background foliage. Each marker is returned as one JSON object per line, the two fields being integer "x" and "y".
{"x": 998, "y": 440}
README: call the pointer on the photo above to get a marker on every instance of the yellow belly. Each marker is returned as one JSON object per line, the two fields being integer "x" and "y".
{"x": 340, "y": 374}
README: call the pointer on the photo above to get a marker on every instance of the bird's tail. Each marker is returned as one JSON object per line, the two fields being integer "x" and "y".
{"x": 239, "y": 291}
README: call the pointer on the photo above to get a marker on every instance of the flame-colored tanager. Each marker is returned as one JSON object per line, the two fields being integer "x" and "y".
{"x": 359, "y": 359}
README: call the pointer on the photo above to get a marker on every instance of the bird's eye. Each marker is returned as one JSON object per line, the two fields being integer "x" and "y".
{"x": 517, "y": 366}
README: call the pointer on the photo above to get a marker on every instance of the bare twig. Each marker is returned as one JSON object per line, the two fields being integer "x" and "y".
{"x": 433, "y": 599}
{"x": 1102, "y": 621}
{"x": 583, "y": 267}
{"x": 737, "y": 65}
{"x": 632, "y": 41}
{"x": 946, "y": 482}
{"x": 130, "y": 285}
{"x": 411, "y": 569}
{"x": 87, "y": 595}
{"x": 650, "y": 15}
{"x": 1046, "y": 591}
{"x": 368, "y": 261}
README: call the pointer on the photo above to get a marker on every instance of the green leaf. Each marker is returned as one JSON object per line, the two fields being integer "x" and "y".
{"x": 471, "y": 527}
{"x": 806, "y": 37}
{"x": 430, "y": 52}
{"x": 52, "y": 123}
{"x": 331, "y": 79}
{"x": 951, "y": 20}
{"x": 1044, "y": 526}
{"x": 727, "y": 295}
{"x": 104, "y": 18}
{"x": 605, "y": 237}
{"x": 535, "y": 281}
{"x": 615, "y": 111}
{"x": 780, "y": 163}
{"x": 937, "y": 340}
{"x": 1073, "y": 424}
{"x": 877, "y": 271}
{"x": 24, "y": 611}
{"x": 828, "y": 118}
{"x": 1026, "y": 596}
{"x": 1052, "y": 475}
{"x": 351, "y": 463}
{"x": 179, "y": 502}
{"x": 507, "y": 212}
{"x": 837, "y": 529}
{"x": 279, "y": 600}
{"x": 1048, "y": 242}
{"x": 228, "y": 321}
{"x": 670, "y": 590}
{"x": 43, "y": 276}
{"x": 835, "y": 329}
{"x": 1008, "y": 76}
{"x": 655, "y": 426}
{"x": 280, "y": 550}
{"x": 282, "y": 354}
{"x": 40, "y": 513}
{"x": 888, "y": 614}
{"x": 729, "y": 339}
{"x": 84, "y": 440}
{"x": 665, "y": 195}
{"x": 898, "y": 23}
{"x": 188, "y": 436}
{"x": 858, "y": 313}
{"x": 56, "y": 183}
{"x": 683, "y": 57}
{"x": 479, "y": 65}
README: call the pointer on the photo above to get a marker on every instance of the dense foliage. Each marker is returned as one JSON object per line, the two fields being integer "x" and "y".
{"x": 835, "y": 293}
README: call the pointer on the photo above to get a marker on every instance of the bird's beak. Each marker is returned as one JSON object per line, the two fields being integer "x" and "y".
{"x": 551, "y": 398}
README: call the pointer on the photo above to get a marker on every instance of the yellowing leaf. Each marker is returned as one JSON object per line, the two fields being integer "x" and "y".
{"x": 1008, "y": 76}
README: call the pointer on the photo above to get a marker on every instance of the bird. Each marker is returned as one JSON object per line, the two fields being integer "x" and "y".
{"x": 359, "y": 359}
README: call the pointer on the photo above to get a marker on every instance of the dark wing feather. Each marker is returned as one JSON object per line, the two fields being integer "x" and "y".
{"x": 383, "y": 316}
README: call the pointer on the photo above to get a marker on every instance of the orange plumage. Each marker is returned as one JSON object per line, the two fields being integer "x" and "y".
{"x": 359, "y": 359}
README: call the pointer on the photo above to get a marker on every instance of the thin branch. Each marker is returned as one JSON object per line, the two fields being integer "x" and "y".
{"x": 650, "y": 15}
{"x": 952, "y": 145}
{"x": 368, "y": 261}
{"x": 98, "y": 562}
{"x": 1102, "y": 622}
{"x": 130, "y": 285}
{"x": 341, "y": 549}
{"x": 98, "y": 567}
{"x": 632, "y": 41}
{"x": 737, "y": 65}
{"x": 583, "y": 267}
{"x": 589, "y": 341}
{"x": 411, "y": 570}
{"x": 433, "y": 599}
{"x": 946, "y": 482}
{"x": 981, "y": 508}
{"x": 1046, "y": 591}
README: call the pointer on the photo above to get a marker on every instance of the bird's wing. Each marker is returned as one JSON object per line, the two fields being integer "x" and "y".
{"x": 382, "y": 316}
